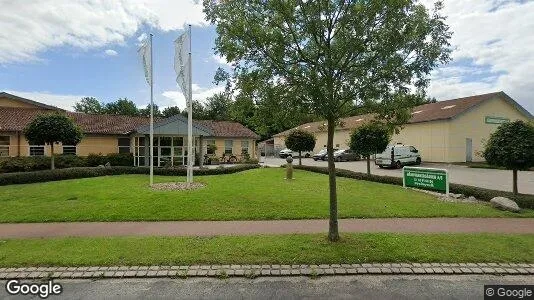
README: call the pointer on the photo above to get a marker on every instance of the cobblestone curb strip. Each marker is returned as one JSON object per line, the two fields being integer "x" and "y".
{"x": 251, "y": 271}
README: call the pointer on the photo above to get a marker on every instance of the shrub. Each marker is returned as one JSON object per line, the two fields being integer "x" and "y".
{"x": 36, "y": 163}
{"x": 120, "y": 159}
{"x": 95, "y": 160}
{"x": 523, "y": 200}
{"x": 85, "y": 172}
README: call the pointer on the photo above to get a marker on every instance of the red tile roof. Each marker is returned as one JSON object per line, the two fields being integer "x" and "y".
{"x": 15, "y": 119}
{"x": 441, "y": 110}
{"x": 228, "y": 129}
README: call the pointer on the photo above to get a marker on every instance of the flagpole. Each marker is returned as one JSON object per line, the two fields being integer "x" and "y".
{"x": 190, "y": 159}
{"x": 151, "y": 117}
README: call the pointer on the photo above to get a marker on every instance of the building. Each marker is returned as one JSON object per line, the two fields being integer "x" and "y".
{"x": 123, "y": 134}
{"x": 446, "y": 131}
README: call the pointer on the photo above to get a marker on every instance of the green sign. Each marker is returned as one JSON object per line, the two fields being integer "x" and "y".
{"x": 426, "y": 178}
{"x": 495, "y": 120}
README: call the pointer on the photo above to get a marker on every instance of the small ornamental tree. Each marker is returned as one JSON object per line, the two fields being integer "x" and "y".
{"x": 511, "y": 146}
{"x": 50, "y": 129}
{"x": 300, "y": 140}
{"x": 369, "y": 139}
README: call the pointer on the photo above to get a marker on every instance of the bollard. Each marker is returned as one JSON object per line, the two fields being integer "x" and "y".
{"x": 289, "y": 168}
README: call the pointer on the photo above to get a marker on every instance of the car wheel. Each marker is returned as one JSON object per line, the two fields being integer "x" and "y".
{"x": 398, "y": 164}
{"x": 418, "y": 161}
{"x": 315, "y": 158}
{"x": 323, "y": 158}
{"x": 381, "y": 166}
{"x": 307, "y": 155}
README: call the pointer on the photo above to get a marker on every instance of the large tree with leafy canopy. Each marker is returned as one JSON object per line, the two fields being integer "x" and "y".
{"x": 511, "y": 146}
{"x": 331, "y": 55}
{"x": 89, "y": 105}
{"x": 50, "y": 129}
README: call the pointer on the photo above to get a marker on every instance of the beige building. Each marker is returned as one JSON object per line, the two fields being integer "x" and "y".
{"x": 123, "y": 134}
{"x": 447, "y": 131}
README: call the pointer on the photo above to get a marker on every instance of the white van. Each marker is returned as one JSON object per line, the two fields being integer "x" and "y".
{"x": 397, "y": 156}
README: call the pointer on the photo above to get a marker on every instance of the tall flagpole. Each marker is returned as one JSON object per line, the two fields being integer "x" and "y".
{"x": 151, "y": 117}
{"x": 190, "y": 159}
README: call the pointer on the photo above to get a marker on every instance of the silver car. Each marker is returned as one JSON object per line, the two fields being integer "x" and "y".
{"x": 346, "y": 155}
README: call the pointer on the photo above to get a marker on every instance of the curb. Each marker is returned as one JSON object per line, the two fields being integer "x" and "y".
{"x": 252, "y": 271}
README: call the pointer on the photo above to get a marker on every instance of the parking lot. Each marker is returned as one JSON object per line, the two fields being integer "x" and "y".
{"x": 486, "y": 178}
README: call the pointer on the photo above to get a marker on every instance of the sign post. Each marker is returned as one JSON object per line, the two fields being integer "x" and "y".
{"x": 426, "y": 178}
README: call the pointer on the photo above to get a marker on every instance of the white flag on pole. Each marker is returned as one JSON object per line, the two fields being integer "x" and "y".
{"x": 181, "y": 63}
{"x": 144, "y": 52}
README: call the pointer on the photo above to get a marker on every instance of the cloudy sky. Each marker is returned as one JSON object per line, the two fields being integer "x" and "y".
{"x": 57, "y": 51}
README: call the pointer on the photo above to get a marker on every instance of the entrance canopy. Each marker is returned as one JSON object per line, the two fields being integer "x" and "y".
{"x": 175, "y": 125}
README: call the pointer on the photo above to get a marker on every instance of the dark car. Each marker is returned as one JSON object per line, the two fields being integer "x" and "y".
{"x": 346, "y": 155}
{"x": 321, "y": 155}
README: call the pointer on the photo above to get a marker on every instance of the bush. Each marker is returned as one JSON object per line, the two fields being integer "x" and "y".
{"x": 95, "y": 160}
{"x": 523, "y": 200}
{"x": 36, "y": 163}
{"x": 120, "y": 159}
{"x": 85, "y": 172}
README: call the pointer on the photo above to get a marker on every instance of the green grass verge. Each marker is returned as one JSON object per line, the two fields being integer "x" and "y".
{"x": 274, "y": 249}
{"x": 259, "y": 194}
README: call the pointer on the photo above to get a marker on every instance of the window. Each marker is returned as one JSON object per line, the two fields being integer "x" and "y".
{"x": 69, "y": 150}
{"x": 244, "y": 147}
{"x": 124, "y": 145}
{"x": 139, "y": 151}
{"x": 4, "y": 145}
{"x": 209, "y": 148}
{"x": 36, "y": 150}
{"x": 228, "y": 146}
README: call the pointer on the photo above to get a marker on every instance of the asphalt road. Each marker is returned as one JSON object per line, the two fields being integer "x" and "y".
{"x": 340, "y": 287}
{"x": 486, "y": 178}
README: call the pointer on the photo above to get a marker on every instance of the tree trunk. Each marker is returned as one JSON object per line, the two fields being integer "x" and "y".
{"x": 52, "y": 164}
{"x": 333, "y": 232}
{"x": 300, "y": 158}
{"x": 368, "y": 165}
{"x": 515, "y": 182}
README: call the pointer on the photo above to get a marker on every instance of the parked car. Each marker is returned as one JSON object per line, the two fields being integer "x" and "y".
{"x": 397, "y": 156}
{"x": 346, "y": 155}
{"x": 288, "y": 152}
{"x": 322, "y": 155}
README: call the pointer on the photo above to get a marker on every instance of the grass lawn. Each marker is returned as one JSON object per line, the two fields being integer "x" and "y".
{"x": 259, "y": 194}
{"x": 274, "y": 249}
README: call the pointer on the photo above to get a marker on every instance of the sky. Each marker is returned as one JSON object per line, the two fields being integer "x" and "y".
{"x": 57, "y": 51}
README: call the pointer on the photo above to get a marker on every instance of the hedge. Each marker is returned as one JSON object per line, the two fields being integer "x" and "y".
{"x": 85, "y": 172}
{"x": 36, "y": 163}
{"x": 523, "y": 200}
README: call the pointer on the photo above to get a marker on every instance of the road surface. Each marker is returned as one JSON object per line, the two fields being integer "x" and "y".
{"x": 335, "y": 287}
{"x": 486, "y": 178}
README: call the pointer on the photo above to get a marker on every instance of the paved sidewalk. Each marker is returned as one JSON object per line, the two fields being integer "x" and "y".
{"x": 251, "y": 271}
{"x": 211, "y": 228}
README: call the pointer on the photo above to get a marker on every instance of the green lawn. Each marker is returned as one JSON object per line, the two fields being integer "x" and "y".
{"x": 274, "y": 249}
{"x": 251, "y": 195}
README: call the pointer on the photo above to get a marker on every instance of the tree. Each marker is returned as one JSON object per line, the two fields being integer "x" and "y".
{"x": 171, "y": 111}
{"x": 300, "y": 140}
{"x": 511, "y": 146}
{"x": 218, "y": 107}
{"x": 50, "y": 129}
{"x": 88, "y": 105}
{"x": 369, "y": 139}
{"x": 145, "y": 112}
{"x": 122, "y": 106}
{"x": 199, "y": 111}
{"x": 329, "y": 55}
